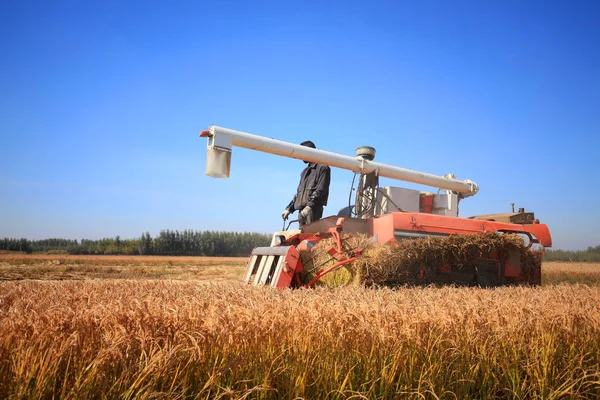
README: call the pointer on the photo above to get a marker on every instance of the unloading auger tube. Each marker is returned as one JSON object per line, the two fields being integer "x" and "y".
{"x": 221, "y": 140}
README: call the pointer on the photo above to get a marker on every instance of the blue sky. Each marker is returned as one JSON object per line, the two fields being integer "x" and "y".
{"x": 102, "y": 103}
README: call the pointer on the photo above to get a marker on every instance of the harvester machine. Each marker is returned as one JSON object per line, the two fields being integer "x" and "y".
{"x": 386, "y": 215}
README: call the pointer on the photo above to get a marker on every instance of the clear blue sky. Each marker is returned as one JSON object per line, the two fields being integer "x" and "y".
{"x": 102, "y": 101}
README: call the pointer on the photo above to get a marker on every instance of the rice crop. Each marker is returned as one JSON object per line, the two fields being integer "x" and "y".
{"x": 554, "y": 273}
{"x": 18, "y": 266}
{"x": 174, "y": 339}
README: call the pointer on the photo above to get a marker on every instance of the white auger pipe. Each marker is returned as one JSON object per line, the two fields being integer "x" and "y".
{"x": 222, "y": 139}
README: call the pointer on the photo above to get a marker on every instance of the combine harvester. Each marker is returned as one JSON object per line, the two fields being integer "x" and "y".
{"x": 387, "y": 215}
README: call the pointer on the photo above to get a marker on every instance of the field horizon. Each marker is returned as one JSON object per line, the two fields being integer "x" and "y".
{"x": 18, "y": 266}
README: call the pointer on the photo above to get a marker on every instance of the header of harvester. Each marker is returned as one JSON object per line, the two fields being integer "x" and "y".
{"x": 221, "y": 140}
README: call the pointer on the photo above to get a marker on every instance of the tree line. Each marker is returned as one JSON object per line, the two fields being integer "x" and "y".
{"x": 167, "y": 242}
{"x": 592, "y": 254}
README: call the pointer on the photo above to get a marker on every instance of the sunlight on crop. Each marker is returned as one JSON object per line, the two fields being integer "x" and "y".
{"x": 169, "y": 339}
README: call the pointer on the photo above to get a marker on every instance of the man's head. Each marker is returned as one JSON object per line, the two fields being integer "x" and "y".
{"x": 310, "y": 144}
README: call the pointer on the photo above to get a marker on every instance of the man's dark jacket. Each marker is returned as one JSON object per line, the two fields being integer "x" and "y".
{"x": 313, "y": 189}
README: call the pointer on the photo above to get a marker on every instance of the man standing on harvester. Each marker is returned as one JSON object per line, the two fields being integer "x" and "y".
{"x": 312, "y": 193}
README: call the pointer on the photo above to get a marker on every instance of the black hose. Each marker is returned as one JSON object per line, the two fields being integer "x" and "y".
{"x": 350, "y": 196}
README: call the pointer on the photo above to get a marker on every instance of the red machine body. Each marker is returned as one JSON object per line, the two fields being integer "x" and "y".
{"x": 280, "y": 266}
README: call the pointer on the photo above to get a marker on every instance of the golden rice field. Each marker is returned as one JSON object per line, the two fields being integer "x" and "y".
{"x": 17, "y": 266}
{"x": 70, "y": 328}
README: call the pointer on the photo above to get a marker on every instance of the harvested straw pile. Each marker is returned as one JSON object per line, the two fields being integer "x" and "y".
{"x": 421, "y": 261}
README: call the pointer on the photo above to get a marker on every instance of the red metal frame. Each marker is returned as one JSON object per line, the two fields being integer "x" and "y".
{"x": 321, "y": 273}
{"x": 385, "y": 228}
